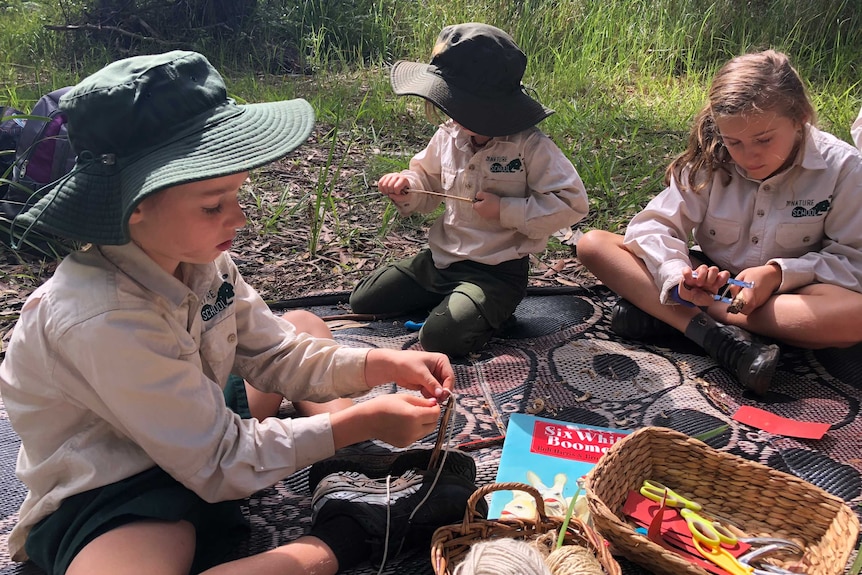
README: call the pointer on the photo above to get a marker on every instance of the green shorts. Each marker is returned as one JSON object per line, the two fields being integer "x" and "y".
{"x": 151, "y": 494}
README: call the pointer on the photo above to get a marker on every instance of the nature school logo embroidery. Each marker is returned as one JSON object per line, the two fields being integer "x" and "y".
{"x": 223, "y": 298}
{"x": 819, "y": 208}
{"x": 499, "y": 167}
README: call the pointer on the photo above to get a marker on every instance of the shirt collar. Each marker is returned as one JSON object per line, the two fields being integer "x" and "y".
{"x": 136, "y": 264}
{"x": 811, "y": 158}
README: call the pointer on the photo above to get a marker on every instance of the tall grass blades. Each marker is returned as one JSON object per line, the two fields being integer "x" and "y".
{"x": 625, "y": 76}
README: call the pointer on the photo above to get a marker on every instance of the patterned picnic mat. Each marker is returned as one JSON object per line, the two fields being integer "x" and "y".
{"x": 561, "y": 351}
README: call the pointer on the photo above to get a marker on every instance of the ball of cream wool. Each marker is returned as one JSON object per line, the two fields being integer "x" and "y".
{"x": 502, "y": 557}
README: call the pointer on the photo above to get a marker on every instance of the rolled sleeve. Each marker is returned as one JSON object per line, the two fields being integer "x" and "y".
{"x": 658, "y": 235}
{"x": 557, "y": 197}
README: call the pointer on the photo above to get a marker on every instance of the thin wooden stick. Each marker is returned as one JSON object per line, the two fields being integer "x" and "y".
{"x": 442, "y": 195}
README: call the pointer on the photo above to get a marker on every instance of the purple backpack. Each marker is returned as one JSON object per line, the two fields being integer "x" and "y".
{"x": 43, "y": 154}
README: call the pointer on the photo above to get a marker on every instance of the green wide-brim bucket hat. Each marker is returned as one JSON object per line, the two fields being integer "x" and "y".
{"x": 147, "y": 123}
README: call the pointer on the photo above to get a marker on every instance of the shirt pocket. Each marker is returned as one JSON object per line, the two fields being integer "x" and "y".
{"x": 218, "y": 349}
{"x": 720, "y": 231}
{"x": 507, "y": 180}
{"x": 447, "y": 178}
{"x": 798, "y": 239}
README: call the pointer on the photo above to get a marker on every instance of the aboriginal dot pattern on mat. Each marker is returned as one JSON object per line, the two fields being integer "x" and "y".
{"x": 560, "y": 350}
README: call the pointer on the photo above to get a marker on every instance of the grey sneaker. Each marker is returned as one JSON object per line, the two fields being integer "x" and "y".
{"x": 393, "y": 463}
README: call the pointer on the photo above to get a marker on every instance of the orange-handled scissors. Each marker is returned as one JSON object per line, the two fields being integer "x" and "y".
{"x": 659, "y": 492}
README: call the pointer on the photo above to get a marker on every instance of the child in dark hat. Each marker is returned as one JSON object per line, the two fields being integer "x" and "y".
{"x": 509, "y": 188}
{"x": 115, "y": 373}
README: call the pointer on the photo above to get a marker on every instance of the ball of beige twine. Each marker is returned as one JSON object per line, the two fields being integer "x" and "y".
{"x": 517, "y": 557}
{"x": 502, "y": 557}
{"x": 573, "y": 560}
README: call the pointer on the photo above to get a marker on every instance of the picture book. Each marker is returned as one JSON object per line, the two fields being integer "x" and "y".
{"x": 552, "y": 456}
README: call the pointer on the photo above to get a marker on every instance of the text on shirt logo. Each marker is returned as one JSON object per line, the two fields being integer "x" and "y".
{"x": 800, "y": 211}
{"x": 223, "y": 299}
{"x": 499, "y": 165}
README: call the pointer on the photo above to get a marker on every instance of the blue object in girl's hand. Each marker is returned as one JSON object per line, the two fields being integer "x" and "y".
{"x": 413, "y": 325}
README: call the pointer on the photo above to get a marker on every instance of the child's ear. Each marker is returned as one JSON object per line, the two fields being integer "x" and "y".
{"x": 136, "y": 216}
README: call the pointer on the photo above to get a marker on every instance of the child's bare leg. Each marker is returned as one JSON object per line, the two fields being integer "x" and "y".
{"x": 622, "y": 271}
{"x": 753, "y": 363}
{"x": 815, "y": 317}
{"x": 308, "y": 555}
{"x": 163, "y": 548}
{"x": 263, "y": 405}
{"x": 144, "y": 547}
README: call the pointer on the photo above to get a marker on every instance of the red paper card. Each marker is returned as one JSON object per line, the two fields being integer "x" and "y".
{"x": 674, "y": 533}
{"x": 780, "y": 425}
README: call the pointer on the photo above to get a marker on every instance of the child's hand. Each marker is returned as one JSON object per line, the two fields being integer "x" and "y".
{"x": 401, "y": 419}
{"x": 699, "y": 285}
{"x": 767, "y": 280}
{"x": 430, "y": 373}
{"x": 393, "y": 186}
{"x": 487, "y": 205}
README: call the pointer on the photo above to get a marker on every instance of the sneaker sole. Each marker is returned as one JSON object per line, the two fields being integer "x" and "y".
{"x": 393, "y": 464}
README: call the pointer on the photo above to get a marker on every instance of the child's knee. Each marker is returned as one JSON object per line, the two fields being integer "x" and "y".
{"x": 307, "y": 322}
{"x": 359, "y": 300}
{"x": 596, "y": 245}
{"x": 455, "y": 337}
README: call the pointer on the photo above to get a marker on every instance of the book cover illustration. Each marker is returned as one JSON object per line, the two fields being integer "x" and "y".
{"x": 552, "y": 456}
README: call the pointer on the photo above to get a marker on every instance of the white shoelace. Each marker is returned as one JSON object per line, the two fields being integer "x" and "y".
{"x": 449, "y": 432}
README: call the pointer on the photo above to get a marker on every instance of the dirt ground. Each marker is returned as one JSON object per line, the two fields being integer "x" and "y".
{"x": 272, "y": 251}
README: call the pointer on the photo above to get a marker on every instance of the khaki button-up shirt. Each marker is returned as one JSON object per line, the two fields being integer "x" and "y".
{"x": 807, "y": 219}
{"x": 540, "y": 192}
{"x": 856, "y": 130}
{"x": 115, "y": 367}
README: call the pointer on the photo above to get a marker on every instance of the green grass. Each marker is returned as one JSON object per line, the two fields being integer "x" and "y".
{"x": 625, "y": 76}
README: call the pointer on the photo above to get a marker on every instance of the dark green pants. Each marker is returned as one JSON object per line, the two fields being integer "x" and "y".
{"x": 468, "y": 301}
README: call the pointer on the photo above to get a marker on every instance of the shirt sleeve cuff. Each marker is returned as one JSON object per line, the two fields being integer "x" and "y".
{"x": 668, "y": 276}
{"x": 792, "y": 277}
{"x": 312, "y": 440}
{"x": 350, "y": 372}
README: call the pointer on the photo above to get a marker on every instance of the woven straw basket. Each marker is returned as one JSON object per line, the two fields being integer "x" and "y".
{"x": 760, "y": 500}
{"x": 450, "y": 543}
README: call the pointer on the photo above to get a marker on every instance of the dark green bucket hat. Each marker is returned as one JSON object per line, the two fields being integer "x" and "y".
{"x": 474, "y": 77}
{"x": 146, "y": 123}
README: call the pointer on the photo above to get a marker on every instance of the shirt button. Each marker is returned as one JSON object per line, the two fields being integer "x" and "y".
{"x": 754, "y": 240}
{"x": 767, "y": 188}
{"x": 231, "y": 338}
{"x": 761, "y": 213}
{"x": 806, "y": 239}
{"x": 469, "y": 186}
{"x": 471, "y": 167}
{"x": 712, "y": 232}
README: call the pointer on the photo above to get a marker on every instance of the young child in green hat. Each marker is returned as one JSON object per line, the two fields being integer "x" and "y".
{"x": 115, "y": 372}
{"x": 510, "y": 188}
